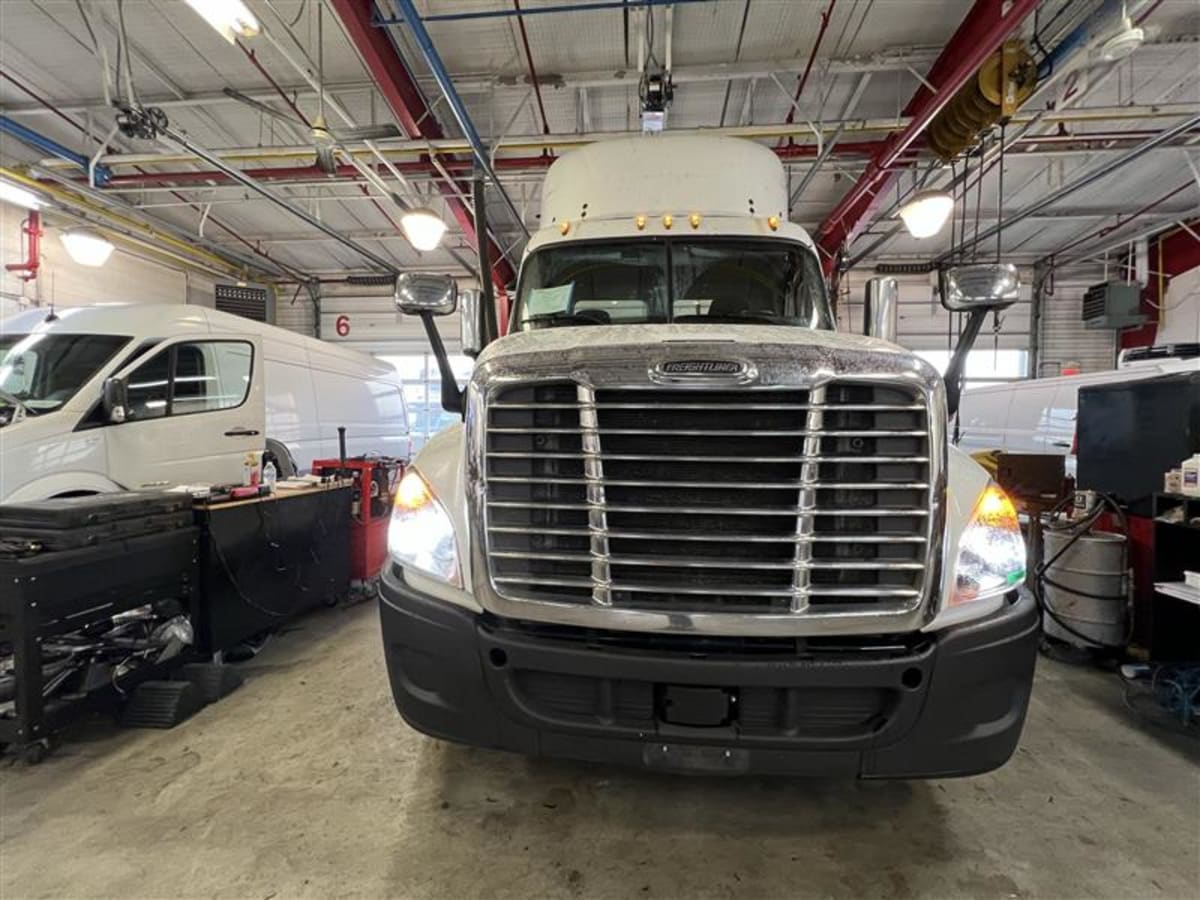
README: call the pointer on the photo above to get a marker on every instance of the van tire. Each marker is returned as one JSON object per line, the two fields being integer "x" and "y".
{"x": 285, "y": 465}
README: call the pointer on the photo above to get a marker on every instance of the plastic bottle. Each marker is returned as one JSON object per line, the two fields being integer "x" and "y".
{"x": 269, "y": 476}
{"x": 1191, "y": 476}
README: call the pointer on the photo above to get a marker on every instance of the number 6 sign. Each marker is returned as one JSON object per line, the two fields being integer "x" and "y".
{"x": 342, "y": 325}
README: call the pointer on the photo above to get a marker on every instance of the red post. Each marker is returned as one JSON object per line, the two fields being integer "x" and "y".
{"x": 31, "y": 230}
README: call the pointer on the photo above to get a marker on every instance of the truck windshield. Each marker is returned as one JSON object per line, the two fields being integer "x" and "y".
{"x": 675, "y": 280}
{"x": 41, "y": 372}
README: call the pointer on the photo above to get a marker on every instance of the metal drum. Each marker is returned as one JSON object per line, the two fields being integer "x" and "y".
{"x": 1094, "y": 566}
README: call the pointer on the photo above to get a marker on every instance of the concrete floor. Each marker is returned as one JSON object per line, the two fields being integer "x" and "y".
{"x": 305, "y": 782}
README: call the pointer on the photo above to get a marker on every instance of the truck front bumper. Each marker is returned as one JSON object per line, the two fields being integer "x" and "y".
{"x": 940, "y": 705}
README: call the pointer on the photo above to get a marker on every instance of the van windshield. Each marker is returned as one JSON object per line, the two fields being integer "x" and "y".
{"x": 650, "y": 280}
{"x": 41, "y": 372}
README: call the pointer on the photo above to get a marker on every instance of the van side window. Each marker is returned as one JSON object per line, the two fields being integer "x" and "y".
{"x": 149, "y": 388}
{"x": 198, "y": 376}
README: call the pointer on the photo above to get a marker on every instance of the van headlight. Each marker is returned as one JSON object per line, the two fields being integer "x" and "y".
{"x": 420, "y": 533}
{"x": 991, "y": 553}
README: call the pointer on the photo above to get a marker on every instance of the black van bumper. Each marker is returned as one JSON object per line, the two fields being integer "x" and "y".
{"x": 934, "y": 706}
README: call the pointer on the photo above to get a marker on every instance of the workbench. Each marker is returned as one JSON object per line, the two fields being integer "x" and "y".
{"x": 264, "y": 560}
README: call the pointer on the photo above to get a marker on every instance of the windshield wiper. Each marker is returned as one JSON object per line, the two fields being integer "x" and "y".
{"x": 14, "y": 401}
{"x": 562, "y": 318}
{"x": 744, "y": 316}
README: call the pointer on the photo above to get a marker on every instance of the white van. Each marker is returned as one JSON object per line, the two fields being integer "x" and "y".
{"x": 104, "y": 398}
{"x": 1039, "y": 416}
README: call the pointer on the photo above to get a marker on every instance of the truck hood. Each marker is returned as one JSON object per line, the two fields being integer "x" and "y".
{"x": 733, "y": 338}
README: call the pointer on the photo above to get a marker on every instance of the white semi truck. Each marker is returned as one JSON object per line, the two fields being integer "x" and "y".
{"x": 685, "y": 523}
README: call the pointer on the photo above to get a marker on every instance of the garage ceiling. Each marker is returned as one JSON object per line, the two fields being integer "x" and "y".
{"x": 736, "y": 65}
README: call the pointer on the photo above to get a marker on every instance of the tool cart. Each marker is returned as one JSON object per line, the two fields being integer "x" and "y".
{"x": 94, "y": 603}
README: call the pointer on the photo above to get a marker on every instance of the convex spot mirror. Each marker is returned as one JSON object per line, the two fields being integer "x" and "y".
{"x": 418, "y": 292}
{"x": 115, "y": 400}
{"x": 979, "y": 286}
{"x": 470, "y": 326}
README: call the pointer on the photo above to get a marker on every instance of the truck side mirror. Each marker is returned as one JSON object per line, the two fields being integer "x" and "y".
{"x": 422, "y": 292}
{"x": 469, "y": 324}
{"x": 881, "y": 309}
{"x": 115, "y": 400}
{"x": 977, "y": 289}
{"x": 978, "y": 286}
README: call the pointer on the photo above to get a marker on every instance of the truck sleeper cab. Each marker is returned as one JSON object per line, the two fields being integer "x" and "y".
{"x": 685, "y": 524}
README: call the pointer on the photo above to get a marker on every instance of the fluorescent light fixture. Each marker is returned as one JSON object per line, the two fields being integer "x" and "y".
{"x": 230, "y": 18}
{"x": 925, "y": 213}
{"x": 87, "y": 246}
{"x": 19, "y": 196}
{"x": 423, "y": 227}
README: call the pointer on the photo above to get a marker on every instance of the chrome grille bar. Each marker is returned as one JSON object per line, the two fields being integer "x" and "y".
{"x": 740, "y": 485}
{"x": 593, "y": 470}
{"x": 636, "y": 457}
{"x": 725, "y": 537}
{"x": 801, "y": 407}
{"x": 807, "y": 499}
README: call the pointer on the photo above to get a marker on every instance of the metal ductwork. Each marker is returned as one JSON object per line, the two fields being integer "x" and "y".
{"x": 1005, "y": 80}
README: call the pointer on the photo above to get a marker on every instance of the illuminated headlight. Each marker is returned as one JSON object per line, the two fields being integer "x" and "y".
{"x": 420, "y": 533}
{"x": 991, "y": 553}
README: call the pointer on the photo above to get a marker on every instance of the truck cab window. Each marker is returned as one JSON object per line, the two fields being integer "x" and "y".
{"x": 596, "y": 284}
{"x": 676, "y": 280}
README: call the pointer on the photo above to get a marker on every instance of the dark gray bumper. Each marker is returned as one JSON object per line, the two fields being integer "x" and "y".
{"x": 936, "y": 706}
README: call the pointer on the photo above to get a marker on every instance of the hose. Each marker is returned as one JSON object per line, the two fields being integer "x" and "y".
{"x": 1080, "y": 529}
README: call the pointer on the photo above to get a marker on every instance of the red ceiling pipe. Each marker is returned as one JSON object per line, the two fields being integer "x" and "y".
{"x": 845, "y": 148}
{"x": 459, "y": 166}
{"x": 250, "y": 55}
{"x": 404, "y": 98}
{"x": 533, "y": 78}
{"x": 981, "y": 33}
{"x": 31, "y": 230}
{"x": 812, "y": 57}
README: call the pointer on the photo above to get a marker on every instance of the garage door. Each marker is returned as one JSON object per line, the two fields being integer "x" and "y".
{"x": 1064, "y": 340}
{"x": 368, "y": 321}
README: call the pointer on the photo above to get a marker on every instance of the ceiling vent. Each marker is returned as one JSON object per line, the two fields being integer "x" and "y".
{"x": 1113, "y": 304}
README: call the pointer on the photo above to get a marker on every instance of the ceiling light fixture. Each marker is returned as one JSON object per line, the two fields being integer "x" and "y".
{"x": 1124, "y": 42}
{"x": 19, "y": 196}
{"x": 925, "y": 213}
{"x": 87, "y": 246}
{"x": 423, "y": 227}
{"x": 230, "y": 18}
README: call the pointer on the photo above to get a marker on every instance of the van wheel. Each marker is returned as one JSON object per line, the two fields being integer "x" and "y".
{"x": 278, "y": 453}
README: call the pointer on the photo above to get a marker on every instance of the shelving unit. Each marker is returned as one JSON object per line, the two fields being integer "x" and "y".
{"x": 1175, "y": 615}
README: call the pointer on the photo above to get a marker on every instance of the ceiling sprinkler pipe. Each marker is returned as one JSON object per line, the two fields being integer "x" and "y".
{"x": 434, "y": 60}
{"x": 51, "y": 147}
{"x": 1078, "y": 184}
{"x": 280, "y": 201}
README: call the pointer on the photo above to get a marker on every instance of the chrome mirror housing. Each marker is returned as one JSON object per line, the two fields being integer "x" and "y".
{"x": 979, "y": 286}
{"x": 423, "y": 292}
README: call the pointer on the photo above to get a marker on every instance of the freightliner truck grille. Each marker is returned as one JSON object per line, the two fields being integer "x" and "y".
{"x": 751, "y": 500}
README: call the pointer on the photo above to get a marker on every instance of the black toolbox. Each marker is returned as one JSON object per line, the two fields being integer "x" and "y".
{"x": 69, "y": 523}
